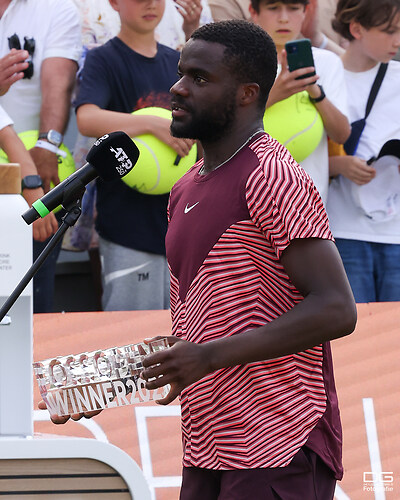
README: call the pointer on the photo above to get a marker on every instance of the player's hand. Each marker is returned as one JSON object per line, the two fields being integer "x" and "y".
{"x": 56, "y": 419}
{"x": 354, "y": 168}
{"x": 12, "y": 66}
{"x": 286, "y": 84}
{"x": 161, "y": 130}
{"x": 181, "y": 365}
{"x": 47, "y": 166}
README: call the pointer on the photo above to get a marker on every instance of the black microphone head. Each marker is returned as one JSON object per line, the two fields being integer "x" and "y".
{"x": 113, "y": 155}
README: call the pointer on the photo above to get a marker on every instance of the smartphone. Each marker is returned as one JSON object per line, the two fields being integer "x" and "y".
{"x": 299, "y": 55}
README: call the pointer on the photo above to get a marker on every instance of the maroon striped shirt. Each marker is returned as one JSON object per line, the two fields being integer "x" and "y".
{"x": 226, "y": 234}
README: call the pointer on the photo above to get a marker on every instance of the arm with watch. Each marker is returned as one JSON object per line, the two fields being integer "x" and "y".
{"x": 289, "y": 82}
{"x": 335, "y": 122}
{"x": 31, "y": 187}
{"x": 57, "y": 76}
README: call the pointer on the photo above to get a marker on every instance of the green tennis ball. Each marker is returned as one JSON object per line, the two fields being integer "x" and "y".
{"x": 156, "y": 171}
{"x": 66, "y": 166}
{"x": 295, "y": 123}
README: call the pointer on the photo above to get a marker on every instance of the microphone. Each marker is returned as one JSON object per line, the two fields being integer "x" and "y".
{"x": 111, "y": 157}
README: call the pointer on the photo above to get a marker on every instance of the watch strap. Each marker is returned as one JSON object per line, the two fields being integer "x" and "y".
{"x": 320, "y": 98}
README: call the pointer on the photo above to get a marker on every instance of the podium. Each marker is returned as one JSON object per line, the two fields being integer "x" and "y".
{"x": 56, "y": 468}
{"x": 47, "y": 466}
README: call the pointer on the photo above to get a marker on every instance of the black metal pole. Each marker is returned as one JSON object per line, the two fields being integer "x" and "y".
{"x": 68, "y": 220}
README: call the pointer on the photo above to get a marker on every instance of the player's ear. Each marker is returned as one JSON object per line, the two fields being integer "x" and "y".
{"x": 249, "y": 93}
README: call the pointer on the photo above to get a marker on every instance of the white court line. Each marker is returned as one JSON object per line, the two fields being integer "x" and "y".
{"x": 91, "y": 425}
{"x": 340, "y": 494}
{"x": 141, "y": 413}
{"x": 373, "y": 447}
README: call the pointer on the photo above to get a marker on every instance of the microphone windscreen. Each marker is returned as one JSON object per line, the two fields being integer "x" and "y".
{"x": 113, "y": 155}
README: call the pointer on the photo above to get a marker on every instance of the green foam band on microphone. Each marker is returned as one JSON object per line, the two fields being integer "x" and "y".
{"x": 40, "y": 208}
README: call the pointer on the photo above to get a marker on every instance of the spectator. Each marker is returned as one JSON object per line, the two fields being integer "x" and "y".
{"x": 283, "y": 21}
{"x": 180, "y": 19}
{"x": 318, "y": 26}
{"x": 15, "y": 150}
{"x": 223, "y": 10}
{"x": 129, "y": 72}
{"x": 100, "y": 22}
{"x": 369, "y": 241}
{"x": 42, "y": 102}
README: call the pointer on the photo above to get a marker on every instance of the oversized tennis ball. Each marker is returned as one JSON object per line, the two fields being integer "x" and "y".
{"x": 295, "y": 123}
{"x": 66, "y": 166}
{"x": 158, "y": 167}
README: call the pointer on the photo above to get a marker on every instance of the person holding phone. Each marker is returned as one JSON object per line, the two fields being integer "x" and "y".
{"x": 325, "y": 87}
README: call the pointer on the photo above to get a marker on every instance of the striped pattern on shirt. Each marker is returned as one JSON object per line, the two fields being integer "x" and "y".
{"x": 226, "y": 279}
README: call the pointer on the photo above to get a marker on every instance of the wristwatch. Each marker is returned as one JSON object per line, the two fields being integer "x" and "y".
{"x": 52, "y": 136}
{"x": 31, "y": 182}
{"x": 320, "y": 98}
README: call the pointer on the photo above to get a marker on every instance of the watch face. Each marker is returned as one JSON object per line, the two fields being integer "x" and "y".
{"x": 31, "y": 182}
{"x": 54, "y": 137}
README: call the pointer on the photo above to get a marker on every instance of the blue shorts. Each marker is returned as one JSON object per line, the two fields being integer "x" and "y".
{"x": 305, "y": 478}
{"x": 373, "y": 269}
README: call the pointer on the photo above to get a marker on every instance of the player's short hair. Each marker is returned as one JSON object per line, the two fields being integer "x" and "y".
{"x": 369, "y": 13}
{"x": 250, "y": 53}
{"x": 256, "y": 3}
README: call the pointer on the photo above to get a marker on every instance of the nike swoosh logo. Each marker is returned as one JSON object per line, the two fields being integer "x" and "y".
{"x": 188, "y": 209}
{"x": 123, "y": 272}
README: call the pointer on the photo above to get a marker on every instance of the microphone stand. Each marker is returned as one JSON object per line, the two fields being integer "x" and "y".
{"x": 73, "y": 212}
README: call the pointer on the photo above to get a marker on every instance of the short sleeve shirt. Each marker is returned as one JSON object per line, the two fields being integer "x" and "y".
{"x": 227, "y": 232}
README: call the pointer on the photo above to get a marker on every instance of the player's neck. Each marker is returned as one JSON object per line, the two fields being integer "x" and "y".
{"x": 143, "y": 43}
{"x": 356, "y": 60}
{"x": 220, "y": 152}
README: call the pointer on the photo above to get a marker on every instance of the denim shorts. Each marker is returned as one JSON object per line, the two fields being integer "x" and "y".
{"x": 373, "y": 269}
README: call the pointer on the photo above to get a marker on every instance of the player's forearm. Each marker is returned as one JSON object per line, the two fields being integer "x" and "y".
{"x": 327, "y": 311}
{"x": 309, "y": 323}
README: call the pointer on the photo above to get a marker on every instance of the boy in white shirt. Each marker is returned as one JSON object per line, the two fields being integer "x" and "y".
{"x": 283, "y": 20}
{"x": 369, "y": 245}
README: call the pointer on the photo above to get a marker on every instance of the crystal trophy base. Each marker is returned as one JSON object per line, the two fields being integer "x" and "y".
{"x": 97, "y": 380}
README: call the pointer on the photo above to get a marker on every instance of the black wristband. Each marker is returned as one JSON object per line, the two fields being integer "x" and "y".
{"x": 320, "y": 98}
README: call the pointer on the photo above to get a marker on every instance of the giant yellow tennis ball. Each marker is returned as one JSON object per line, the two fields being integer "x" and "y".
{"x": 66, "y": 166}
{"x": 158, "y": 167}
{"x": 295, "y": 123}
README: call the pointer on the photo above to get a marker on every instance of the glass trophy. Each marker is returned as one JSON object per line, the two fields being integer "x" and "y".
{"x": 96, "y": 380}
